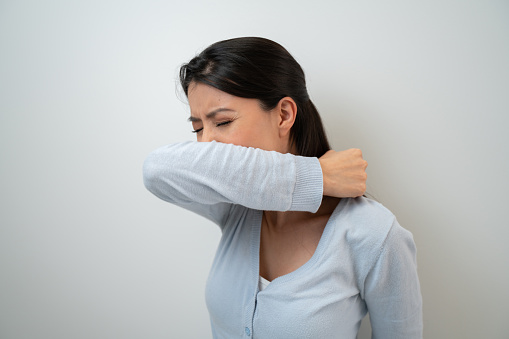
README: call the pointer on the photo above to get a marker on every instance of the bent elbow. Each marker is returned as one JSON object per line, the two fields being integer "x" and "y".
{"x": 151, "y": 173}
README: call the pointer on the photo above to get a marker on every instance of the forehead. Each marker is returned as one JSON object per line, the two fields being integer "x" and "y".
{"x": 204, "y": 99}
{"x": 198, "y": 87}
{"x": 202, "y": 95}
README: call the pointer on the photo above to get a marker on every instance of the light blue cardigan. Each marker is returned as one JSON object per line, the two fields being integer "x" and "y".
{"x": 365, "y": 261}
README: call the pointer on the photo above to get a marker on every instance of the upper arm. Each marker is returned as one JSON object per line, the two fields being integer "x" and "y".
{"x": 392, "y": 290}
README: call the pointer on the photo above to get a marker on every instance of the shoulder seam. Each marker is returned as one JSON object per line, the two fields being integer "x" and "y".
{"x": 380, "y": 251}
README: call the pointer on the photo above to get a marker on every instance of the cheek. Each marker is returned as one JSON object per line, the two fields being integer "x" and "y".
{"x": 242, "y": 137}
{"x": 255, "y": 136}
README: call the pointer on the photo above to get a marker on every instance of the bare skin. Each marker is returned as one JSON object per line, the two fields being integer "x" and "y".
{"x": 288, "y": 239}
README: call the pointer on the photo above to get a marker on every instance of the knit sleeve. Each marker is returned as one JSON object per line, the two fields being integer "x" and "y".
{"x": 392, "y": 291}
{"x": 209, "y": 177}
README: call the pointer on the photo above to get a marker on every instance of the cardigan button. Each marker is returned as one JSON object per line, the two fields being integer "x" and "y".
{"x": 248, "y": 331}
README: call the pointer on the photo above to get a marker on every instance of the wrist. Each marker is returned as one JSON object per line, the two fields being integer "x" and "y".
{"x": 325, "y": 178}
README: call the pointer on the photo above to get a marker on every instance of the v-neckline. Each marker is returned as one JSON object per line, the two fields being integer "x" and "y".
{"x": 322, "y": 243}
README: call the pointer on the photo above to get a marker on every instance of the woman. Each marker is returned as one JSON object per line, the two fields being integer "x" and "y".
{"x": 296, "y": 258}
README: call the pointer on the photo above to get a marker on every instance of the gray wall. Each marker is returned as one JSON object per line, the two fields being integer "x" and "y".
{"x": 87, "y": 90}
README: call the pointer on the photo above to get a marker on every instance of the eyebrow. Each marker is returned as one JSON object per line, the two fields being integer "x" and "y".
{"x": 210, "y": 114}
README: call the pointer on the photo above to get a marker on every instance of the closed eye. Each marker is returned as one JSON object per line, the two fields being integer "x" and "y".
{"x": 219, "y": 124}
{"x": 223, "y": 123}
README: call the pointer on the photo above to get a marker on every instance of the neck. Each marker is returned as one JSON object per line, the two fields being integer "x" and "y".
{"x": 280, "y": 220}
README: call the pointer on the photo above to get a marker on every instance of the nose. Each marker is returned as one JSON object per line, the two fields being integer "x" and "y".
{"x": 207, "y": 135}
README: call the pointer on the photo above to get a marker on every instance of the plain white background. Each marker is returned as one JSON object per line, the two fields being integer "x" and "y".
{"x": 87, "y": 90}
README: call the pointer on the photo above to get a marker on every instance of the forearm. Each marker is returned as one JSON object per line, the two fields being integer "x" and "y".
{"x": 214, "y": 173}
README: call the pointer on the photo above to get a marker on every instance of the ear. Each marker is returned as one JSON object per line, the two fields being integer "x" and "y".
{"x": 287, "y": 111}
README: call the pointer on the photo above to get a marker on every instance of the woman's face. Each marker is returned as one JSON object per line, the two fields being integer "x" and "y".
{"x": 225, "y": 118}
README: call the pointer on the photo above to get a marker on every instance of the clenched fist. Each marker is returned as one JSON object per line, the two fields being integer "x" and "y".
{"x": 344, "y": 173}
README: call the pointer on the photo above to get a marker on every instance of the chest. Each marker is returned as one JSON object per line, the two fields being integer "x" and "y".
{"x": 295, "y": 304}
{"x": 285, "y": 250}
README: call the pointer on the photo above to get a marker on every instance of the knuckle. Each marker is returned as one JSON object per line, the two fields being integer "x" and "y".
{"x": 357, "y": 152}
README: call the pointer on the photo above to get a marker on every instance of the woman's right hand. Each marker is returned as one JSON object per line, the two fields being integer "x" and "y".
{"x": 344, "y": 173}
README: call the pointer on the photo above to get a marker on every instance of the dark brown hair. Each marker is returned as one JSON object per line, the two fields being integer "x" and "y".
{"x": 259, "y": 68}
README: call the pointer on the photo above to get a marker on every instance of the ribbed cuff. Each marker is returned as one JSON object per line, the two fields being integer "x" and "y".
{"x": 308, "y": 191}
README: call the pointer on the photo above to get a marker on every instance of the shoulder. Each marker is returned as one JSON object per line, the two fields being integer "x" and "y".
{"x": 366, "y": 207}
{"x": 366, "y": 228}
{"x": 373, "y": 221}
{"x": 364, "y": 220}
